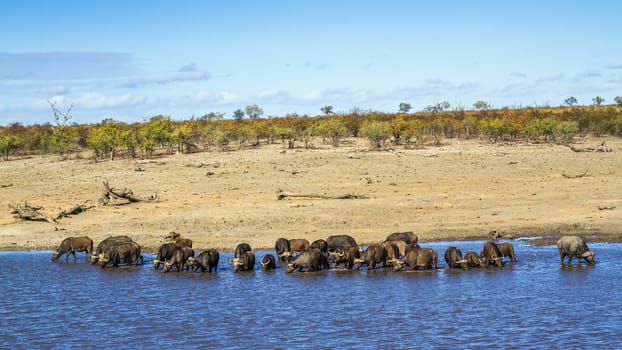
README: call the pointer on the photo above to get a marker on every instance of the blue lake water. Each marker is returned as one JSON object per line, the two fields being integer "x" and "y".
{"x": 533, "y": 303}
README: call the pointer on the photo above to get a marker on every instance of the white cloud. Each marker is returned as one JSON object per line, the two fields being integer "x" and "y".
{"x": 95, "y": 100}
{"x": 189, "y": 72}
{"x": 219, "y": 98}
{"x": 54, "y": 90}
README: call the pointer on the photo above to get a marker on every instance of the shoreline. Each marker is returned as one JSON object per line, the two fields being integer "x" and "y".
{"x": 538, "y": 238}
{"x": 460, "y": 190}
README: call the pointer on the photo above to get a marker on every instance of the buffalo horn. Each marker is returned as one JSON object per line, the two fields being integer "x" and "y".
{"x": 587, "y": 253}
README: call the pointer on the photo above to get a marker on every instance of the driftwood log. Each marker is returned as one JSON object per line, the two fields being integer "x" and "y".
{"x": 28, "y": 212}
{"x": 125, "y": 196}
{"x": 75, "y": 210}
{"x": 602, "y": 148}
{"x": 284, "y": 195}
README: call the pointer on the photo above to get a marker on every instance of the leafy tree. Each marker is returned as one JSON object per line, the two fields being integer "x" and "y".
{"x": 564, "y": 131}
{"x": 481, "y": 105}
{"x": 328, "y": 109}
{"x": 128, "y": 139}
{"x": 287, "y": 133}
{"x": 243, "y": 132}
{"x": 618, "y": 101}
{"x": 211, "y": 116}
{"x": 103, "y": 139}
{"x": 404, "y": 107}
{"x": 8, "y": 143}
{"x": 437, "y": 108}
{"x": 333, "y": 128}
{"x": 238, "y": 114}
{"x": 253, "y": 111}
{"x": 181, "y": 136}
{"x": 63, "y": 138}
{"x": 598, "y": 100}
{"x": 215, "y": 136}
{"x": 570, "y": 101}
{"x": 376, "y": 132}
{"x": 156, "y": 132}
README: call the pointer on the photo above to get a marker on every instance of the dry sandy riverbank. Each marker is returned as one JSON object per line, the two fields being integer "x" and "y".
{"x": 460, "y": 190}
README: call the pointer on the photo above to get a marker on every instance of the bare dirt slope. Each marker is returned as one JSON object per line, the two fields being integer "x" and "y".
{"x": 460, "y": 190}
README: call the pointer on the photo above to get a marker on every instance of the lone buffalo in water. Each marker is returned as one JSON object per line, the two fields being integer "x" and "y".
{"x": 574, "y": 246}
{"x": 207, "y": 260}
{"x": 73, "y": 245}
{"x": 453, "y": 258}
{"x": 307, "y": 261}
{"x": 507, "y": 249}
{"x": 268, "y": 262}
{"x": 106, "y": 244}
{"x": 408, "y": 237}
{"x": 165, "y": 253}
{"x": 340, "y": 242}
{"x": 319, "y": 244}
{"x": 298, "y": 244}
{"x": 244, "y": 258}
{"x": 374, "y": 254}
{"x": 474, "y": 260}
{"x": 183, "y": 258}
{"x": 345, "y": 256}
{"x": 425, "y": 258}
{"x": 128, "y": 252}
{"x": 283, "y": 249}
{"x": 491, "y": 254}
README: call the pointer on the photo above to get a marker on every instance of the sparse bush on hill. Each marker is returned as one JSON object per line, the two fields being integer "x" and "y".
{"x": 160, "y": 134}
{"x": 376, "y": 132}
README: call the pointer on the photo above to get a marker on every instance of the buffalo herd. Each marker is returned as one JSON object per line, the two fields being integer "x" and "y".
{"x": 400, "y": 250}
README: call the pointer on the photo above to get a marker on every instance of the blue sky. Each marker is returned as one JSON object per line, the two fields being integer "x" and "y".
{"x": 129, "y": 60}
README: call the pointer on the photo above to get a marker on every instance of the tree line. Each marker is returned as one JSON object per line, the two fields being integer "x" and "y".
{"x": 162, "y": 135}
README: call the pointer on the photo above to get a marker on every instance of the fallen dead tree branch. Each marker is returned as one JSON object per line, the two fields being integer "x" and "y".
{"x": 125, "y": 196}
{"x": 75, "y": 210}
{"x": 28, "y": 212}
{"x": 284, "y": 195}
{"x": 575, "y": 176}
{"x": 602, "y": 148}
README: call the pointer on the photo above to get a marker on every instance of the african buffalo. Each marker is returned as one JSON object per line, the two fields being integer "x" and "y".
{"x": 245, "y": 262}
{"x": 473, "y": 260}
{"x": 574, "y": 246}
{"x": 107, "y": 243}
{"x": 268, "y": 262}
{"x": 393, "y": 252}
{"x": 73, "y": 245}
{"x": 409, "y": 247}
{"x": 425, "y": 258}
{"x": 491, "y": 254}
{"x": 207, "y": 260}
{"x": 507, "y": 249}
{"x": 128, "y": 253}
{"x": 408, "y": 237}
{"x": 298, "y": 244}
{"x": 453, "y": 257}
{"x": 165, "y": 253}
{"x": 283, "y": 249}
{"x": 241, "y": 249}
{"x": 183, "y": 258}
{"x": 184, "y": 242}
{"x": 374, "y": 254}
{"x": 319, "y": 244}
{"x": 340, "y": 242}
{"x": 345, "y": 256}
{"x": 307, "y": 261}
